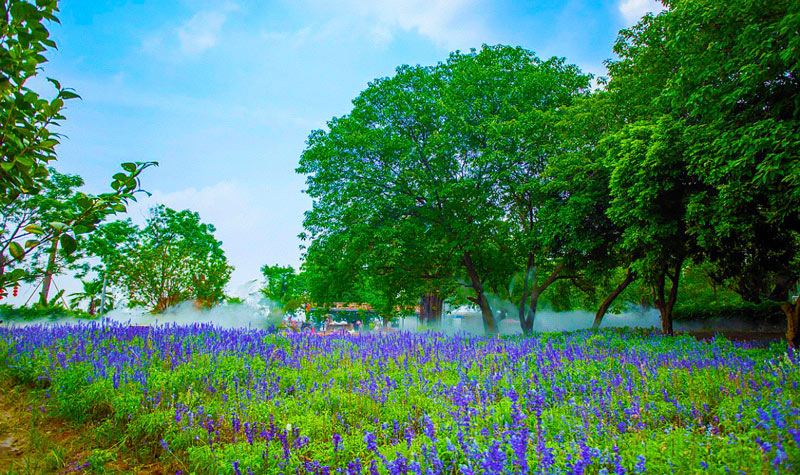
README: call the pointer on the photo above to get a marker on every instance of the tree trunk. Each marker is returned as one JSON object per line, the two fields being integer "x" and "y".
{"x": 780, "y": 292}
{"x": 480, "y": 299}
{"x": 526, "y": 320}
{"x": 598, "y": 317}
{"x": 48, "y": 273}
{"x": 103, "y": 295}
{"x": 530, "y": 317}
{"x": 792, "y": 323}
{"x": 430, "y": 308}
{"x": 665, "y": 305}
{"x": 92, "y": 304}
{"x": 536, "y": 292}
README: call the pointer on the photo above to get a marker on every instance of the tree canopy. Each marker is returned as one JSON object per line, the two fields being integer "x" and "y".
{"x": 436, "y": 171}
{"x": 174, "y": 257}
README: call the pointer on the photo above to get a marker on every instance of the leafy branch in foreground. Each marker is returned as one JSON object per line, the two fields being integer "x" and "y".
{"x": 26, "y": 226}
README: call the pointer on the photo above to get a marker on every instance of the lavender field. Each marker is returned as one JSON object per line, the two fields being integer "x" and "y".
{"x": 201, "y": 399}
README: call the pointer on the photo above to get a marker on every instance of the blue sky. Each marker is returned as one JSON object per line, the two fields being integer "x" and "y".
{"x": 224, "y": 93}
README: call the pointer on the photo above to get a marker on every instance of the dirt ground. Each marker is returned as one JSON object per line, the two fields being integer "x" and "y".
{"x": 29, "y": 442}
{"x": 33, "y": 442}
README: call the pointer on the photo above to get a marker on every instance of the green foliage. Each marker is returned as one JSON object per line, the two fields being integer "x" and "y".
{"x": 27, "y": 142}
{"x": 284, "y": 288}
{"x": 93, "y": 292}
{"x": 45, "y": 232}
{"x": 10, "y": 313}
{"x": 676, "y": 402}
{"x": 704, "y": 165}
{"x": 765, "y": 314}
{"x": 172, "y": 258}
{"x": 27, "y": 145}
{"x": 432, "y": 180}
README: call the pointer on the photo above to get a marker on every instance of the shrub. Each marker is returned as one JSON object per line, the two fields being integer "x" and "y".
{"x": 762, "y": 314}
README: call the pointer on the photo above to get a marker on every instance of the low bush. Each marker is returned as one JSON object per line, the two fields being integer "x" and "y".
{"x": 9, "y": 313}
{"x": 762, "y": 314}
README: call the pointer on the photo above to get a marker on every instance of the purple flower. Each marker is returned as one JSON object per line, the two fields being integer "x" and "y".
{"x": 640, "y": 464}
{"x": 369, "y": 439}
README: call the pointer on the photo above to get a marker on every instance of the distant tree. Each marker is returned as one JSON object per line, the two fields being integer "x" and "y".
{"x": 284, "y": 288}
{"x": 92, "y": 291}
{"x": 174, "y": 257}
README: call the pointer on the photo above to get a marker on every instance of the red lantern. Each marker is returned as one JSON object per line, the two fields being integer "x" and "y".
{"x": 16, "y": 290}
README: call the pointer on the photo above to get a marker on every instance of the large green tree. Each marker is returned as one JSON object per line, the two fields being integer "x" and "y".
{"x": 505, "y": 105}
{"x": 388, "y": 175}
{"x": 436, "y": 173}
{"x": 710, "y": 92}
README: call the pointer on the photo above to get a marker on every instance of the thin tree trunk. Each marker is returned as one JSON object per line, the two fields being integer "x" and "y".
{"x": 530, "y": 275}
{"x": 480, "y": 299}
{"x": 673, "y": 297}
{"x": 48, "y": 273}
{"x": 665, "y": 303}
{"x": 103, "y": 295}
{"x": 527, "y": 327}
{"x": 598, "y": 317}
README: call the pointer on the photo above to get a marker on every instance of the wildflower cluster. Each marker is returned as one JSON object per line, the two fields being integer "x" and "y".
{"x": 213, "y": 400}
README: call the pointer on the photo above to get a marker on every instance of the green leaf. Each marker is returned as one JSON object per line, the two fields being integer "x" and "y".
{"x": 34, "y": 228}
{"x": 58, "y": 226}
{"x": 31, "y": 243}
{"x": 68, "y": 244}
{"x": 55, "y": 83}
{"x": 82, "y": 229}
{"x": 16, "y": 251}
{"x": 129, "y": 167}
{"x": 25, "y": 161}
{"x": 65, "y": 94}
{"x": 49, "y": 143}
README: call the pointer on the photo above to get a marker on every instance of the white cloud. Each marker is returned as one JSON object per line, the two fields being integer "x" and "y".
{"x": 448, "y": 23}
{"x": 633, "y": 10}
{"x": 200, "y": 32}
